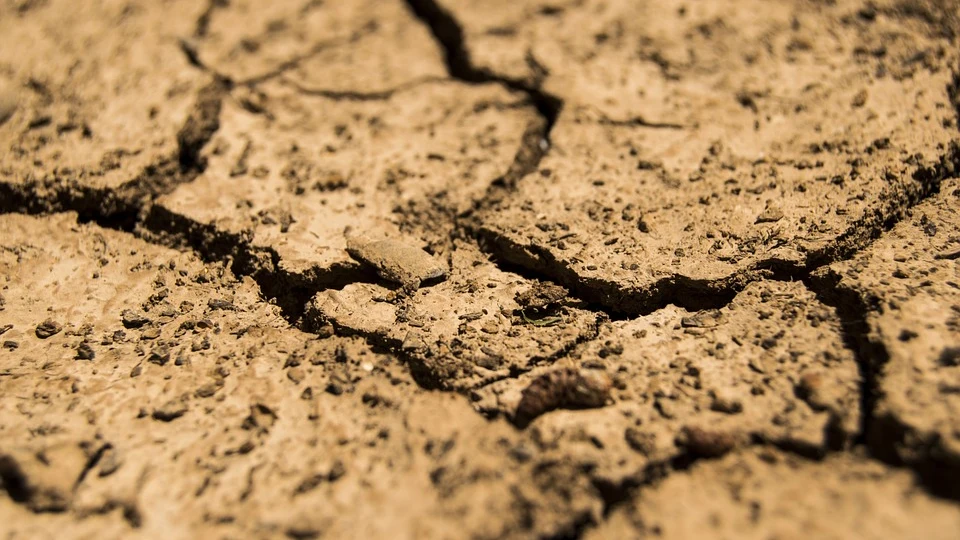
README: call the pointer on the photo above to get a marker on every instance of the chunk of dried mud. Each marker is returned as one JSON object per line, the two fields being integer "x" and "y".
{"x": 396, "y": 261}
{"x": 541, "y": 296}
{"x": 566, "y": 388}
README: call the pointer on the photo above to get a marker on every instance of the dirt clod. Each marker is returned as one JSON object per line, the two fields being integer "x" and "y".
{"x": 396, "y": 261}
{"x": 541, "y": 296}
{"x": 133, "y": 319}
{"x": 85, "y": 351}
{"x": 441, "y": 269}
{"x": 706, "y": 442}
{"x": 171, "y": 410}
{"x": 567, "y": 388}
{"x": 48, "y": 328}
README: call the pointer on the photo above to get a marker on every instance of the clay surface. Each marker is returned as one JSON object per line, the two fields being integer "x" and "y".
{"x": 768, "y": 494}
{"x": 99, "y": 106}
{"x": 909, "y": 278}
{"x": 456, "y": 269}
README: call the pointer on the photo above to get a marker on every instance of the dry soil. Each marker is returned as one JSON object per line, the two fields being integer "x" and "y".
{"x": 503, "y": 269}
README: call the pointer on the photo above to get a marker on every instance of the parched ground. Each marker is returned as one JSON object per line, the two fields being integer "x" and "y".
{"x": 503, "y": 269}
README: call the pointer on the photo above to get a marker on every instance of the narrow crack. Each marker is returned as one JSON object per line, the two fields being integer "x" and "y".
{"x": 349, "y": 95}
{"x": 862, "y": 233}
{"x": 189, "y": 49}
{"x": 884, "y": 434}
{"x": 420, "y": 362}
{"x": 639, "y": 121}
{"x": 203, "y": 21}
{"x": 317, "y": 48}
{"x": 448, "y": 33}
{"x": 92, "y": 462}
{"x": 200, "y": 127}
{"x": 606, "y": 294}
{"x": 852, "y": 310}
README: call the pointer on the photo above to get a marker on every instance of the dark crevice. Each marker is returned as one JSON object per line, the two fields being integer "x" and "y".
{"x": 13, "y": 480}
{"x": 616, "y": 494}
{"x": 290, "y": 291}
{"x": 349, "y": 95}
{"x": 96, "y": 205}
{"x": 882, "y": 218}
{"x": 606, "y": 294}
{"x": 884, "y": 435}
{"x": 91, "y": 463}
{"x": 200, "y": 126}
{"x": 190, "y": 52}
{"x": 852, "y": 309}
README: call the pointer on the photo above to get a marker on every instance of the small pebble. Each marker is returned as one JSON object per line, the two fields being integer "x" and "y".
{"x": 207, "y": 390}
{"x": 706, "y": 443}
{"x": 726, "y": 403}
{"x": 709, "y": 318}
{"x": 771, "y": 214}
{"x": 85, "y": 351}
{"x": 296, "y": 374}
{"x": 160, "y": 355}
{"x": 8, "y": 103}
{"x": 48, "y": 328}
{"x": 171, "y": 410}
{"x": 132, "y": 319}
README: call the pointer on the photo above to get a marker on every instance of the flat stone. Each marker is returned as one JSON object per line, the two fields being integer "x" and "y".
{"x": 396, "y": 261}
{"x": 48, "y": 328}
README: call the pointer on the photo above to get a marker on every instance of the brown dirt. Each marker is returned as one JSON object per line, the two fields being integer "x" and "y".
{"x": 615, "y": 269}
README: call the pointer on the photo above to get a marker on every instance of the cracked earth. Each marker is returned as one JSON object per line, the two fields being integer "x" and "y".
{"x": 506, "y": 269}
